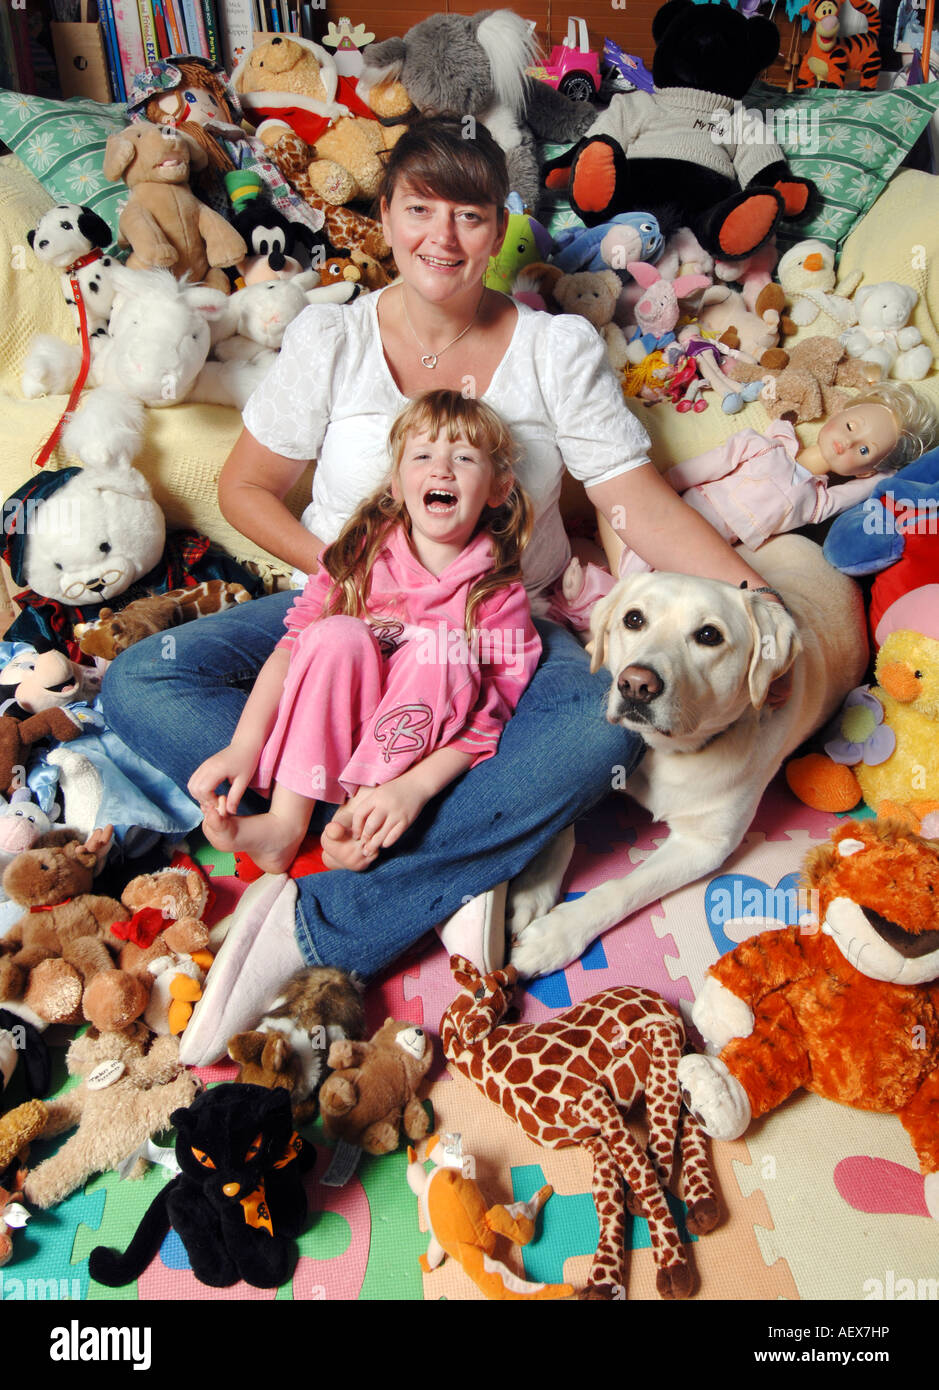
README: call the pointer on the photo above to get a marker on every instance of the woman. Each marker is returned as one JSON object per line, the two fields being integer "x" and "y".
{"x": 342, "y": 376}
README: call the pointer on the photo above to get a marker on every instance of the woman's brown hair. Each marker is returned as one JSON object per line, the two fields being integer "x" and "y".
{"x": 444, "y": 157}
{"x": 351, "y": 557}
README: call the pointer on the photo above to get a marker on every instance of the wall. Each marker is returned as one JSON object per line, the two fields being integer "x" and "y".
{"x": 630, "y": 26}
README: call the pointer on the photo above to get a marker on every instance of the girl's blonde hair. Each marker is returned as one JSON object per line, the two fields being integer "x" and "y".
{"x": 351, "y": 558}
{"x": 917, "y": 425}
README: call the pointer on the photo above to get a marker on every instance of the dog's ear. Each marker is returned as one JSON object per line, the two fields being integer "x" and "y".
{"x": 776, "y": 644}
{"x": 600, "y": 617}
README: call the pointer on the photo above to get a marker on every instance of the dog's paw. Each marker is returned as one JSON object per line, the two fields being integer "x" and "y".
{"x": 719, "y": 1015}
{"x": 546, "y": 944}
{"x": 714, "y": 1096}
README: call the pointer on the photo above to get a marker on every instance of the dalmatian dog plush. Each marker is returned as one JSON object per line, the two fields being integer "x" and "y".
{"x": 67, "y": 234}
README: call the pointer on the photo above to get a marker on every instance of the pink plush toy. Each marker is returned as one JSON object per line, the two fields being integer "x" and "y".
{"x": 657, "y": 311}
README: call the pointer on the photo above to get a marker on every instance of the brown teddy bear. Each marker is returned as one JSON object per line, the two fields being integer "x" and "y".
{"x": 370, "y": 1096}
{"x": 64, "y": 939}
{"x": 163, "y": 958}
{"x": 295, "y": 83}
{"x": 163, "y": 221}
{"x": 127, "y": 1094}
{"x": 594, "y": 294}
{"x": 807, "y": 388}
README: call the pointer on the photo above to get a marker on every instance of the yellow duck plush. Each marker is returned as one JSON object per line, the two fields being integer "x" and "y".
{"x": 886, "y": 744}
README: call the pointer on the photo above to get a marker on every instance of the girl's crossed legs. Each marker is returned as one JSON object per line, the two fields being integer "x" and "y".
{"x": 557, "y": 757}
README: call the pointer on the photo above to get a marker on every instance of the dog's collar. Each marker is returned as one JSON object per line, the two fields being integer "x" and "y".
{"x": 94, "y": 254}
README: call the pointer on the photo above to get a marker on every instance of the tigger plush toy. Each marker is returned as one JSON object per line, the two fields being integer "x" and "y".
{"x": 831, "y": 55}
{"x": 849, "y": 1011}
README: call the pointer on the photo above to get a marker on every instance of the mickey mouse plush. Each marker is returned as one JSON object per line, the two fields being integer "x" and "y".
{"x": 664, "y": 153}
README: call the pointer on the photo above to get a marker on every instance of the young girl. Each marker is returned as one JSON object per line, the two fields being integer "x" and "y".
{"x": 754, "y": 486}
{"x": 403, "y": 657}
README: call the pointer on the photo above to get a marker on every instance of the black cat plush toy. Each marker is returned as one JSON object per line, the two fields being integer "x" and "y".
{"x": 680, "y": 152}
{"x": 239, "y": 1202}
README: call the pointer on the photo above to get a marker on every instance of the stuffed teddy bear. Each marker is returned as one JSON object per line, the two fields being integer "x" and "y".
{"x": 71, "y": 237}
{"x": 474, "y": 66}
{"x": 294, "y": 82}
{"x": 883, "y": 336}
{"x": 807, "y": 388}
{"x": 807, "y": 277}
{"x": 163, "y": 222}
{"x": 130, "y": 1089}
{"x": 164, "y": 955}
{"x": 593, "y": 294}
{"x": 370, "y": 1095}
{"x": 79, "y": 539}
{"x": 112, "y": 633}
{"x": 238, "y": 1202}
{"x": 288, "y": 1048}
{"x": 848, "y": 1009}
{"x": 63, "y": 940}
{"x": 663, "y": 152}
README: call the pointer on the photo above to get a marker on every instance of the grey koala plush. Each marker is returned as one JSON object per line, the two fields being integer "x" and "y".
{"x": 474, "y": 65}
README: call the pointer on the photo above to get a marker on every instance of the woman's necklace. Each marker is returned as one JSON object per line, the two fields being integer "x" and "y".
{"x": 430, "y": 359}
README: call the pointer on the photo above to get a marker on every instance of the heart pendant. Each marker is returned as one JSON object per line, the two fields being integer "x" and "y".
{"x": 429, "y": 360}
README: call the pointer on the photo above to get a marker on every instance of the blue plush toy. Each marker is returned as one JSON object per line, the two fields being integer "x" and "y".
{"x": 629, "y": 236}
{"x": 871, "y": 535}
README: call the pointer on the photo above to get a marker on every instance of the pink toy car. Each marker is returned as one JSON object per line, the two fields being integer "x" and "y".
{"x": 572, "y": 68}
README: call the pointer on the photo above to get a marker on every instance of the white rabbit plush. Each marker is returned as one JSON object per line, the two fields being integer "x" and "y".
{"x": 154, "y": 354}
{"x": 883, "y": 335}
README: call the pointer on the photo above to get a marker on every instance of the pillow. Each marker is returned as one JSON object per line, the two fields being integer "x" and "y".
{"x": 62, "y": 143}
{"x": 849, "y": 143}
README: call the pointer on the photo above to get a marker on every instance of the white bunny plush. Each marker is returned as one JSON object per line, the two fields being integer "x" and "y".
{"x": 883, "y": 335}
{"x": 154, "y": 354}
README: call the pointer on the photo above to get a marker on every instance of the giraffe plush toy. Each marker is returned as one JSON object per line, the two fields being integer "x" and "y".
{"x": 569, "y": 1081}
{"x": 463, "y": 1227}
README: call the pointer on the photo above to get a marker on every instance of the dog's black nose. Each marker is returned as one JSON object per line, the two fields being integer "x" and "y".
{"x": 639, "y": 683}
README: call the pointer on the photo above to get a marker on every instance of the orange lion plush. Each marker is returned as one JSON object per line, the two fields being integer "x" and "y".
{"x": 850, "y": 1011}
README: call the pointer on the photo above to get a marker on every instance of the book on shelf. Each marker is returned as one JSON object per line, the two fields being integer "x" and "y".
{"x": 195, "y": 28}
{"x": 129, "y": 38}
{"x": 106, "y": 20}
{"x": 17, "y": 59}
{"x": 236, "y": 21}
{"x": 211, "y": 30}
{"x": 175, "y": 26}
{"x": 164, "y": 42}
{"x": 148, "y": 32}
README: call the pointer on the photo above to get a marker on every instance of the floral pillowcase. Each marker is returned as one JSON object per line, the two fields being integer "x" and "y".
{"x": 62, "y": 144}
{"x": 849, "y": 143}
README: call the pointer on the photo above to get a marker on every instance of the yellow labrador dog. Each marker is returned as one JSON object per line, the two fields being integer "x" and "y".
{"x": 692, "y": 663}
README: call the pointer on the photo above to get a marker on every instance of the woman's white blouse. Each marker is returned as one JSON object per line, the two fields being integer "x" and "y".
{"x": 331, "y": 396}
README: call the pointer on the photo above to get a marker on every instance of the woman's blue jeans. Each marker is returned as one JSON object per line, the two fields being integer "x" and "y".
{"x": 176, "y": 698}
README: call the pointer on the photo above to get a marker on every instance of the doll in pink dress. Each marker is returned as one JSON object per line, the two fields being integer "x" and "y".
{"x": 403, "y": 657}
{"x": 754, "y": 486}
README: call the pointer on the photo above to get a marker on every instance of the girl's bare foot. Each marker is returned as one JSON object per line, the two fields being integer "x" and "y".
{"x": 341, "y": 849}
{"x": 270, "y": 842}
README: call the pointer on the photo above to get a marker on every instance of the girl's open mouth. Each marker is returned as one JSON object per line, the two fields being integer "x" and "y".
{"x": 438, "y": 500}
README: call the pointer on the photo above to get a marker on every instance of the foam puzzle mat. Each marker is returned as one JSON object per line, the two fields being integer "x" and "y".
{"x": 819, "y": 1201}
